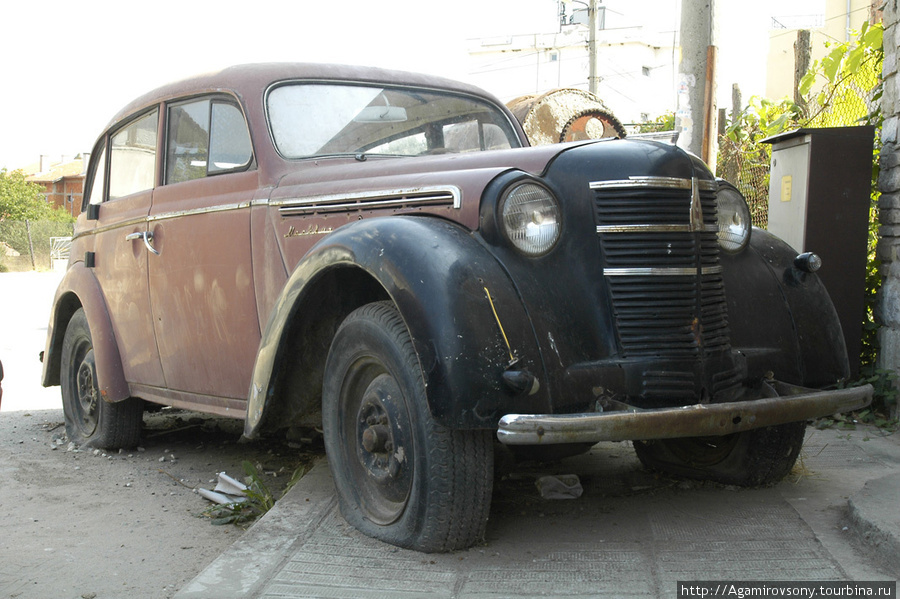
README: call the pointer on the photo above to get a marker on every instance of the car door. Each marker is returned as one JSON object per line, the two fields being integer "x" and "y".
{"x": 123, "y": 177}
{"x": 201, "y": 282}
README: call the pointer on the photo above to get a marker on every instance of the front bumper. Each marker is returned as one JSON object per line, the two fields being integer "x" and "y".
{"x": 781, "y": 404}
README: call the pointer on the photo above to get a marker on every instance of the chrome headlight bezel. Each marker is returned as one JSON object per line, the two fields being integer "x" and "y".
{"x": 733, "y": 220}
{"x": 530, "y": 217}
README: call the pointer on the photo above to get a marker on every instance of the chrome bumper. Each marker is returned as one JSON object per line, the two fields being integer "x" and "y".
{"x": 699, "y": 420}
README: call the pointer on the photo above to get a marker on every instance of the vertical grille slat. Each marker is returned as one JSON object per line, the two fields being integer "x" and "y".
{"x": 663, "y": 272}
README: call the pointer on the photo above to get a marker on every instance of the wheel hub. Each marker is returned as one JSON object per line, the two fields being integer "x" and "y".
{"x": 381, "y": 433}
{"x": 377, "y": 439}
{"x": 86, "y": 389}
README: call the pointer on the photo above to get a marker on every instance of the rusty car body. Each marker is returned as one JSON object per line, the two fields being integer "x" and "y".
{"x": 382, "y": 256}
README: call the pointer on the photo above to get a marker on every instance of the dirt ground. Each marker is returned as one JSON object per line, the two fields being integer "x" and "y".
{"x": 138, "y": 528}
{"x": 85, "y": 524}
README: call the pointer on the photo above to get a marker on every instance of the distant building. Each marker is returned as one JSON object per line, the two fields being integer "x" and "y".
{"x": 636, "y": 60}
{"x": 63, "y": 182}
{"x": 834, "y": 25}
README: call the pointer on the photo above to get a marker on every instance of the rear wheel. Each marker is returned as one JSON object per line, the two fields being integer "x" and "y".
{"x": 91, "y": 421}
{"x": 400, "y": 476}
{"x": 758, "y": 457}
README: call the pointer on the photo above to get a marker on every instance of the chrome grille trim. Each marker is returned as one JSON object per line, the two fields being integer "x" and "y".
{"x": 661, "y": 272}
{"x": 392, "y": 198}
{"x": 656, "y": 182}
{"x": 653, "y": 228}
{"x": 660, "y": 258}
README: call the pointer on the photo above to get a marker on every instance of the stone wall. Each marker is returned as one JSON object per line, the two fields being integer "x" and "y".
{"x": 889, "y": 205}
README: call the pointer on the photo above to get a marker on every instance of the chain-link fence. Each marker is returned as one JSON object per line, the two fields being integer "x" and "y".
{"x": 33, "y": 245}
{"x": 746, "y": 166}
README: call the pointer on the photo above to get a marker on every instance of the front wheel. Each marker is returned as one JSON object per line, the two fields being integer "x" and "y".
{"x": 400, "y": 476}
{"x": 91, "y": 421}
{"x": 757, "y": 457}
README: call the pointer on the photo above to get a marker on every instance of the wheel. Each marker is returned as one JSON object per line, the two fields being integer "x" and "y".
{"x": 90, "y": 421}
{"x": 758, "y": 457}
{"x": 400, "y": 476}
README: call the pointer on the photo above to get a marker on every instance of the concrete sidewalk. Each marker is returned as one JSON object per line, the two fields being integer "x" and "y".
{"x": 632, "y": 534}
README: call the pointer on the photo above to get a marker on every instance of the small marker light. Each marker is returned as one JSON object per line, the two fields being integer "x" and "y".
{"x": 808, "y": 262}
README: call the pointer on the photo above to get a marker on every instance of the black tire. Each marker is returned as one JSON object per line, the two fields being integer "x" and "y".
{"x": 91, "y": 421}
{"x": 753, "y": 458}
{"x": 400, "y": 476}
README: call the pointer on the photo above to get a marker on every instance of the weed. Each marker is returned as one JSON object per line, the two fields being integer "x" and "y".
{"x": 260, "y": 498}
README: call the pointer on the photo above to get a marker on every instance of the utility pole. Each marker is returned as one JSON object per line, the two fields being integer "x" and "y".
{"x": 593, "y": 79}
{"x": 696, "y": 110}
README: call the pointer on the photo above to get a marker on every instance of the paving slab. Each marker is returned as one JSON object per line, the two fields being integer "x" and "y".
{"x": 632, "y": 533}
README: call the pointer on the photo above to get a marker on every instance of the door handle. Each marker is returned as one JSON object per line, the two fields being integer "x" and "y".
{"x": 147, "y": 236}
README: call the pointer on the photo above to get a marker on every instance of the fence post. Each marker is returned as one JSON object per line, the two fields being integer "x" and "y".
{"x": 30, "y": 244}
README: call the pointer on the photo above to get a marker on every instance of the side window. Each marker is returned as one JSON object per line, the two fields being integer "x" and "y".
{"x": 95, "y": 196}
{"x": 205, "y": 137}
{"x": 132, "y": 157}
{"x": 187, "y": 148}
{"x": 229, "y": 141}
{"x": 471, "y": 136}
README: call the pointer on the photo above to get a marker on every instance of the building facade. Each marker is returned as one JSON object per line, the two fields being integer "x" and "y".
{"x": 63, "y": 183}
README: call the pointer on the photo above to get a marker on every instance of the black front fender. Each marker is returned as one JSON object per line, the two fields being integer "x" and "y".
{"x": 466, "y": 320}
{"x": 781, "y": 318}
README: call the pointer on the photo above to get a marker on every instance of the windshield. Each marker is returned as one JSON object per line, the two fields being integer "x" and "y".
{"x": 314, "y": 119}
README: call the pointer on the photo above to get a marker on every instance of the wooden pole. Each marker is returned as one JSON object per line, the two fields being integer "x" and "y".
{"x": 709, "y": 111}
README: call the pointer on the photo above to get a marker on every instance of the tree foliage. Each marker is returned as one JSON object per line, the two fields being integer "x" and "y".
{"x": 23, "y": 200}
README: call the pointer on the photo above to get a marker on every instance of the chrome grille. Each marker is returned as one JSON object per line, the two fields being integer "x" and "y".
{"x": 661, "y": 262}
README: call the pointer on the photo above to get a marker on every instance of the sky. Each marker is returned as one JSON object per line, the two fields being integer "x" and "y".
{"x": 67, "y": 67}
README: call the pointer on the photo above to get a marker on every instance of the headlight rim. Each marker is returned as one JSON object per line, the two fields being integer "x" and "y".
{"x": 505, "y": 229}
{"x": 744, "y": 209}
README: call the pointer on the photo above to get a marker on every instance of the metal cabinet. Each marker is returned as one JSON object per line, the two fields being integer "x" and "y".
{"x": 819, "y": 190}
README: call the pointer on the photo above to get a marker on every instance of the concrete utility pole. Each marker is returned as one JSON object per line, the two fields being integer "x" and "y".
{"x": 593, "y": 78}
{"x": 695, "y": 116}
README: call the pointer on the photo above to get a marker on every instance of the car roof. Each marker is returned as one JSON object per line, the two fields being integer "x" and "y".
{"x": 251, "y": 80}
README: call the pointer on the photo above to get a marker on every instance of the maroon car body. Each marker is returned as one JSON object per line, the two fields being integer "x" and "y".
{"x": 381, "y": 254}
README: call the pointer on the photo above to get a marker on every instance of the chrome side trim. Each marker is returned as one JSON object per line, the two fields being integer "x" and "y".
{"x": 167, "y": 215}
{"x": 653, "y": 228}
{"x": 439, "y": 195}
{"x": 121, "y": 225}
{"x": 209, "y": 210}
{"x": 657, "y": 182}
{"x": 661, "y": 272}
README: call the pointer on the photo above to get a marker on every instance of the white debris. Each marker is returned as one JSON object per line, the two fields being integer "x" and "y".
{"x": 228, "y": 490}
{"x": 562, "y": 486}
{"x": 229, "y": 485}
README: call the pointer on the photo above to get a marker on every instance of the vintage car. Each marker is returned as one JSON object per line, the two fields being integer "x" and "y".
{"x": 380, "y": 255}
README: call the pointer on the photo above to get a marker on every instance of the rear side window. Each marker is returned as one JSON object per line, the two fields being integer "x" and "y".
{"x": 205, "y": 137}
{"x": 99, "y": 178}
{"x": 132, "y": 157}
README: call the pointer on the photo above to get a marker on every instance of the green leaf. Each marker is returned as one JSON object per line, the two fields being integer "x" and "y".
{"x": 832, "y": 62}
{"x": 874, "y": 38}
{"x": 851, "y": 64}
{"x": 807, "y": 82}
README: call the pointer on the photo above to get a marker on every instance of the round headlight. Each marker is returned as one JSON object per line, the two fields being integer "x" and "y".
{"x": 734, "y": 218}
{"x": 531, "y": 218}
